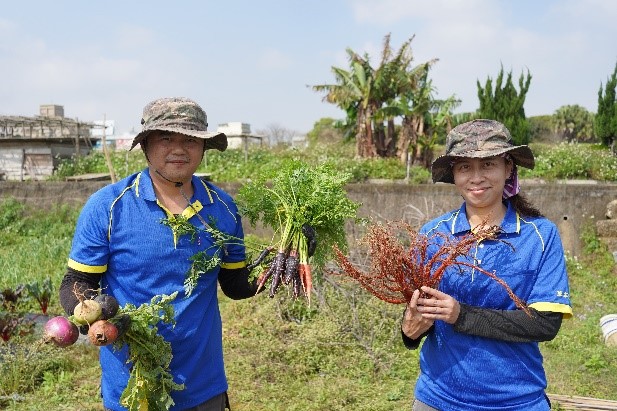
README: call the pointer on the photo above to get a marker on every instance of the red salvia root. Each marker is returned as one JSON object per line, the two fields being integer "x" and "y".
{"x": 399, "y": 264}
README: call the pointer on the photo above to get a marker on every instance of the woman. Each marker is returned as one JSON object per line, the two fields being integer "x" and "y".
{"x": 480, "y": 351}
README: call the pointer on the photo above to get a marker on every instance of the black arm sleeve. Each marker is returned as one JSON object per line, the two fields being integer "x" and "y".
{"x": 77, "y": 283}
{"x": 235, "y": 283}
{"x": 411, "y": 343}
{"x": 508, "y": 325}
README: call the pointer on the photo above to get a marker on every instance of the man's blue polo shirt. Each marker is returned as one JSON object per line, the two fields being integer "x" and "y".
{"x": 465, "y": 372}
{"x": 119, "y": 234}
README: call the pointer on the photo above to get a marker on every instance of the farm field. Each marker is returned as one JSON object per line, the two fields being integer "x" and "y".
{"x": 343, "y": 352}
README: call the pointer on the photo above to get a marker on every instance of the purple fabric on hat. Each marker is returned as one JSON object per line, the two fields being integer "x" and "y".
{"x": 512, "y": 186}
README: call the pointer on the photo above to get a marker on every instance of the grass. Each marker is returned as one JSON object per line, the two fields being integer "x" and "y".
{"x": 40, "y": 377}
{"x": 275, "y": 362}
{"x": 577, "y": 360}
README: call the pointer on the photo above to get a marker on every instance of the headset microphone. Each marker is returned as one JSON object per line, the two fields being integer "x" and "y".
{"x": 177, "y": 183}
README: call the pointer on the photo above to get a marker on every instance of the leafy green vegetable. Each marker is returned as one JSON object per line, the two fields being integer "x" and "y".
{"x": 301, "y": 195}
{"x": 200, "y": 262}
{"x": 180, "y": 225}
{"x": 150, "y": 382}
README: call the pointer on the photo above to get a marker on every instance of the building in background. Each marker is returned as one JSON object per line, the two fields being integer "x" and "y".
{"x": 31, "y": 148}
{"x": 239, "y": 135}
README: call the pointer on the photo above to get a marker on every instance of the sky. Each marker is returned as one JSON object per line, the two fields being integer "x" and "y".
{"x": 254, "y": 61}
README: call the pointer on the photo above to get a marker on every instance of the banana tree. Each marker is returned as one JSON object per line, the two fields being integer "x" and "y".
{"x": 438, "y": 121}
{"x": 415, "y": 101}
{"x": 353, "y": 93}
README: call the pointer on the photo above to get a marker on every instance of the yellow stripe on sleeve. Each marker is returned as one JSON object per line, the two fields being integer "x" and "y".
{"x": 89, "y": 269}
{"x": 231, "y": 266}
{"x": 566, "y": 310}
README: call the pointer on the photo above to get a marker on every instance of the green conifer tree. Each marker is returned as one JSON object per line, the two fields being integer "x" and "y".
{"x": 606, "y": 119}
{"x": 505, "y": 104}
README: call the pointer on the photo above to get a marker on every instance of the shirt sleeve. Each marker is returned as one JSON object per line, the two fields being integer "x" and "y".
{"x": 90, "y": 248}
{"x": 551, "y": 290}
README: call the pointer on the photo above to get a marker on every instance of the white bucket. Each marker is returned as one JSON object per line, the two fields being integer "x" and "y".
{"x": 608, "y": 323}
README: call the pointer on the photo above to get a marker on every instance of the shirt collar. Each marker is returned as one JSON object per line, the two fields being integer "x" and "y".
{"x": 145, "y": 188}
{"x": 510, "y": 224}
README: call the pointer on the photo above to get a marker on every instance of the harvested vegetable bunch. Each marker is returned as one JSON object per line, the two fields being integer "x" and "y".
{"x": 150, "y": 381}
{"x": 149, "y": 355}
{"x": 399, "y": 262}
{"x": 300, "y": 198}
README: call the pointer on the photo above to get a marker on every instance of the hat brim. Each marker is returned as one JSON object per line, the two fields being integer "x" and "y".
{"x": 441, "y": 168}
{"x": 216, "y": 141}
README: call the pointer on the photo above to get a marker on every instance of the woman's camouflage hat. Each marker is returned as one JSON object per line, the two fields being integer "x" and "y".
{"x": 179, "y": 115}
{"x": 478, "y": 139}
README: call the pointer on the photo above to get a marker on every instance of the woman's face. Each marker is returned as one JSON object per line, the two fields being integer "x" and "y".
{"x": 481, "y": 180}
{"x": 174, "y": 155}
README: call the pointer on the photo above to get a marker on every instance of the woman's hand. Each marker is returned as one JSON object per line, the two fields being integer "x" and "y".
{"x": 438, "y": 306}
{"x": 414, "y": 323}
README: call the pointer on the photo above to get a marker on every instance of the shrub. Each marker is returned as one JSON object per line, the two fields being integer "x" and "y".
{"x": 572, "y": 161}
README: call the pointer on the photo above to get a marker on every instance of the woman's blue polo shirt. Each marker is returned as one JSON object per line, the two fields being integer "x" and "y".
{"x": 465, "y": 372}
{"x": 119, "y": 234}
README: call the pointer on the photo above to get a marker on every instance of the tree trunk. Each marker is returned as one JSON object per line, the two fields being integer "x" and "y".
{"x": 404, "y": 138}
{"x": 412, "y": 126}
{"x": 364, "y": 136}
{"x": 379, "y": 139}
{"x": 390, "y": 142}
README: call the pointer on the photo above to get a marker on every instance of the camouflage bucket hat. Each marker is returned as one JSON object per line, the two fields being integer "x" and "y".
{"x": 179, "y": 115}
{"x": 478, "y": 139}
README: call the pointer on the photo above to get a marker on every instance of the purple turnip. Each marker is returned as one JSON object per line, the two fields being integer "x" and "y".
{"x": 109, "y": 306}
{"x": 102, "y": 332}
{"x": 60, "y": 331}
{"x": 87, "y": 312}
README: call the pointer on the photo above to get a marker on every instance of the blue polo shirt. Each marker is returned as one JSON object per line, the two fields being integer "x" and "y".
{"x": 119, "y": 234}
{"x": 464, "y": 372}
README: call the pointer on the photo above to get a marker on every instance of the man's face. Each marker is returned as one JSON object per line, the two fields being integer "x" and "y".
{"x": 174, "y": 155}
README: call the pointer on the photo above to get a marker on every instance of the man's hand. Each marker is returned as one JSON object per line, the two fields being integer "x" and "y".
{"x": 311, "y": 237}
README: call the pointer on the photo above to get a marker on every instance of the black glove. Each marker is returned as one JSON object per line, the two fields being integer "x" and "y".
{"x": 122, "y": 323}
{"x": 311, "y": 236}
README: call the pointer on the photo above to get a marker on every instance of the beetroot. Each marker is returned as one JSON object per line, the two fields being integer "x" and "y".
{"x": 109, "y": 306}
{"x": 102, "y": 332}
{"x": 87, "y": 312}
{"x": 60, "y": 331}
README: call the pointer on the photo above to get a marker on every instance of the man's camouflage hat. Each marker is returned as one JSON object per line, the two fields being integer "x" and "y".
{"x": 478, "y": 139}
{"x": 179, "y": 115}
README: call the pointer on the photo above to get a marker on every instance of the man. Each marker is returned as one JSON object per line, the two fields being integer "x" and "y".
{"x": 122, "y": 247}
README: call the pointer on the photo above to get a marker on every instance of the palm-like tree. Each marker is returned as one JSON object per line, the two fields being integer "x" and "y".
{"x": 352, "y": 92}
{"x": 415, "y": 102}
{"x": 375, "y": 97}
{"x": 573, "y": 123}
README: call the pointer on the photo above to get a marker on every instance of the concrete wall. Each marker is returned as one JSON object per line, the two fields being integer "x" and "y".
{"x": 569, "y": 205}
